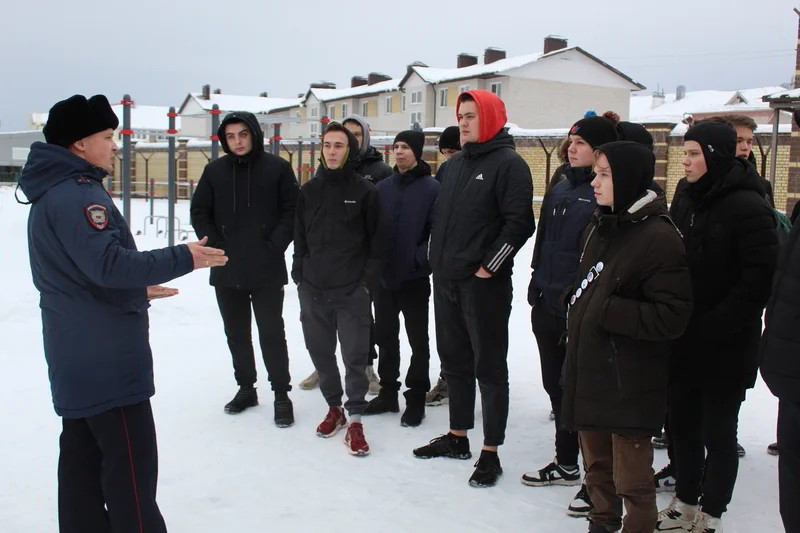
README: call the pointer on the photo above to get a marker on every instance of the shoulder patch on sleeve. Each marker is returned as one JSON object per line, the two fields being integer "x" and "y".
{"x": 97, "y": 215}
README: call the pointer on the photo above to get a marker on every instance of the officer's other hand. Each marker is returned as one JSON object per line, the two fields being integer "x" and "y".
{"x": 205, "y": 256}
{"x": 154, "y": 292}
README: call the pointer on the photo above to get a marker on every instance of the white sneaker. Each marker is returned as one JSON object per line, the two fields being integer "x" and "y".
{"x": 374, "y": 384}
{"x": 311, "y": 382}
{"x": 677, "y": 517}
{"x": 705, "y": 523}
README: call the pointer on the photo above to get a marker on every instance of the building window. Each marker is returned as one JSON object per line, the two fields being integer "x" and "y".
{"x": 497, "y": 88}
{"x": 404, "y": 102}
{"x": 333, "y": 112}
{"x": 416, "y": 116}
{"x": 443, "y": 97}
{"x": 364, "y": 109}
{"x": 313, "y": 128}
{"x": 416, "y": 97}
{"x": 344, "y": 110}
{"x": 463, "y": 89}
{"x": 314, "y": 111}
{"x": 388, "y": 105}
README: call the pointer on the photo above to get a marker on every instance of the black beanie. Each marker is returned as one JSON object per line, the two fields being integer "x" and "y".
{"x": 595, "y": 130}
{"x": 630, "y": 131}
{"x": 633, "y": 166}
{"x": 718, "y": 141}
{"x": 450, "y": 138}
{"x": 76, "y": 117}
{"x": 415, "y": 139}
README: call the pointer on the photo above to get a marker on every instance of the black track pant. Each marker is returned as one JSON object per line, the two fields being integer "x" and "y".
{"x": 267, "y": 304}
{"x": 107, "y": 473}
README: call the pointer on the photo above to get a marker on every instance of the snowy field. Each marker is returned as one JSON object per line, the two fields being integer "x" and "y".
{"x": 241, "y": 473}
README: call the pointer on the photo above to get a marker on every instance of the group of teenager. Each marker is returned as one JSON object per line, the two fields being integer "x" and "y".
{"x": 642, "y": 313}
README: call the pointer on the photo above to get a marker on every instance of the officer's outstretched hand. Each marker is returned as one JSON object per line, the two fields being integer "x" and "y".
{"x": 154, "y": 292}
{"x": 205, "y": 256}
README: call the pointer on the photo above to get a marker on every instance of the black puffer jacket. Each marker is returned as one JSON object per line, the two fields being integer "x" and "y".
{"x": 484, "y": 211}
{"x": 731, "y": 244}
{"x": 372, "y": 167}
{"x": 337, "y": 237}
{"x": 780, "y": 345}
{"x": 632, "y": 297}
{"x": 245, "y": 205}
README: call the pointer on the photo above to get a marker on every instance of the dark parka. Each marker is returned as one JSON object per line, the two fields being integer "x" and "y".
{"x": 337, "y": 238}
{"x": 731, "y": 244}
{"x": 245, "y": 205}
{"x": 407, "y": 202}
{"x": 92, "y": 284}
{"x": 372, "y": 167}
{"x": 566, "y": 211}
{"x": 780, "y": 345}
{"x": 620, "y": 323}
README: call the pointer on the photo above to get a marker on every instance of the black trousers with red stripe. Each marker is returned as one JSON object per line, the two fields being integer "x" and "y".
{"x": 107, "y": 473}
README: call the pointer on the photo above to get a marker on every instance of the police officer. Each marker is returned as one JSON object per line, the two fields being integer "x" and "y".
{"x": 94, "y": 290}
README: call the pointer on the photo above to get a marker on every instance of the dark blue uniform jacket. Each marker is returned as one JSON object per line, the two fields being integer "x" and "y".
{"x": 93, "y": 285}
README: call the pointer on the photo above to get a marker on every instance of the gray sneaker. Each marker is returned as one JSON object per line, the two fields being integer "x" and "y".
{"x": 374, "y": 384}
{"x": 438, "y": 394}
{"x": 311, "y": 382}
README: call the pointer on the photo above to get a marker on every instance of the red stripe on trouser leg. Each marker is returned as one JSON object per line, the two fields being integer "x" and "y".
{"x": 133, "y": 473}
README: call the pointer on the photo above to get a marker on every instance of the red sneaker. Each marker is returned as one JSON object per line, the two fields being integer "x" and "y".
{"x": 334, "y": 421}
{"x": 355, "y": 441}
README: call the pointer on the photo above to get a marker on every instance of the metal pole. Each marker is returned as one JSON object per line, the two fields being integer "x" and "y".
{"x": 214, "y": 127}
{"x": 313, "y": 159}
{"x": 300, "y": 162}
{"x": 126, "y": 157}
{"x": 276, "y": 145}
{"x": 774, "y": 148}
{"x": 172, "y": 172}
{"x": 152, "y": 197}
{"x": 191, "y": 189}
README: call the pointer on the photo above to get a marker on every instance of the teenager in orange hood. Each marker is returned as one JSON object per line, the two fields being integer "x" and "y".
{"x": 483, "y": 218}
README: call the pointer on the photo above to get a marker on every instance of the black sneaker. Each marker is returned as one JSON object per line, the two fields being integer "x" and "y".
{"x": 553, "y": 474}
{"x": 740, "y": 450}
{"x": 661, "y": 441}
{"x": 664, "y": 480}
{"x": 384, "y": 402}
{"x": 284, "y": 412}
{"x": 246, "y": 397}
{"x": 448, "y": 445}
{"x": 773, "y": 449}
{"x": 414, "y": 413}
{"x": 487, "y": 470}
{"x": 581, "y": 504}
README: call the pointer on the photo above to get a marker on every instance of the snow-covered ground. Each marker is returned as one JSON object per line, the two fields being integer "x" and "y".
{"x": 241, "y": 473}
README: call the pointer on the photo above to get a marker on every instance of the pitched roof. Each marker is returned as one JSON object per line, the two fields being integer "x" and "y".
{"x": 233, "y": 102}
{"x": 328, "y": 95}
{"x": 642, "y": 107}
{"x": 439, "y": 75}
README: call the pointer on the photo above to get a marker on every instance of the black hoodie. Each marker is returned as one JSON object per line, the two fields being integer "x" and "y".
{"x": 245, "y": 205}
{"x": 336, "y": 234}
{"x": 731, "y": 245}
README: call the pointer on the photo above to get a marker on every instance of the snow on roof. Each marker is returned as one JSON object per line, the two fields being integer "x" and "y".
{"x": 761, "y": 129}
{"x": 784, "y": 93}
{"x": 233, "y": 102}
{"x": 143, "y": 117}
{"x": 327, "y": 95}
{"x": 439, "y": 75}
{"x": 673, "y": 110}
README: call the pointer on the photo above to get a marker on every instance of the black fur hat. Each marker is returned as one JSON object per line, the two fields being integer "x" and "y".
{"x": 76, "y": 117}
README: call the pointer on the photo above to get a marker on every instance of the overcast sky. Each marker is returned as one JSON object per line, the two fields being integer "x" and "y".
{"x": 158, "y": 51}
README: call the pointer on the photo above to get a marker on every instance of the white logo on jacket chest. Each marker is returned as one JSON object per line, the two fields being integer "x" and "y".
{"x": 350, "y": 201}
{"x": 479, "y": 177}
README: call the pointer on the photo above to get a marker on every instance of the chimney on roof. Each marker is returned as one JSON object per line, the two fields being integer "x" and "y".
{"x": 264, "y": 95}
{"x": 466, "y": 60}
{"x": 217, "y": 91}
{"x": 323, "y": 85}
{"x": 658, "y": 99}
{"x": 377, "y": 77}
{"x": 358, "y": 81}
{"x": 206, "y": 92}
{"x": 490, "y": 55}
{"x": 680, "y": 93}
{"x": 301, "y": 95}
{"x": 553, "y": 43}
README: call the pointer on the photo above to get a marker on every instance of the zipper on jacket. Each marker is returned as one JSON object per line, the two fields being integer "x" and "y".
{"x": 589, "y": 238}
{"x": 614, "y": 360}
